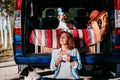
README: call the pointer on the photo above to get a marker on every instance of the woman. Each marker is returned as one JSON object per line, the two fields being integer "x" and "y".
{"x": 66, "y": 59}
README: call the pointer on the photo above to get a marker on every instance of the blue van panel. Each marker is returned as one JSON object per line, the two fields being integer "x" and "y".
{"x": 88, "y": 59}
{"x": 18, "y": 52}
{"x": 17, "y": 37}
{"x": 21, "y": 60}
{"x": 102, "y": 59}
{"x": 117, "y": 39}
{"x": 45, "y": 60}
{"x": 41, "y": 60}
{"x": 17, "y": 43}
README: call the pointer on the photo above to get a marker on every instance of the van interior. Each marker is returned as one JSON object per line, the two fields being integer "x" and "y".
{"x": 43, "y": 15}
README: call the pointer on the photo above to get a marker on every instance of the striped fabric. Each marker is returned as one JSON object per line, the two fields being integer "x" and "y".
{"x": 48, "y": 38}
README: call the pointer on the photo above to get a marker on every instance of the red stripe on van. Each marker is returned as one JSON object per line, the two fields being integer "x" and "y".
{"x": 117, "y": 4}
{"x": 17, "y": 31}
{"x": 117, "y": 31}
{"x": 117, "y": 47}
{"x": 18, "y": 4}
{"x": 18, "y": 47}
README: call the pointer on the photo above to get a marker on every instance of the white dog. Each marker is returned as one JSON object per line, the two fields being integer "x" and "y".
{"x": 29, "y": 74}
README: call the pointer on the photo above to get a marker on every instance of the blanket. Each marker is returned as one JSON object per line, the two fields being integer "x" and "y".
{"x": 48, "y": 38}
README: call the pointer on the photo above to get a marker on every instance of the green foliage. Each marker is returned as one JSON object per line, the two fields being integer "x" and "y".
{"x": 9, "y": 5}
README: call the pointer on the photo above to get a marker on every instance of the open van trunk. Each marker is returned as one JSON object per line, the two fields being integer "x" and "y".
{"x": 33, "y": 20}
{"x": 33, "y": 12}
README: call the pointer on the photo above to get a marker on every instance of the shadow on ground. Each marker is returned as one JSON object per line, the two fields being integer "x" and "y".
{"x": 85, "y": 75}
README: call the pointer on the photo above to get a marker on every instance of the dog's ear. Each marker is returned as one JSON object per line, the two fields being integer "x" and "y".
{"x": 29, "y": 68}
{"x": 25, "y": 71}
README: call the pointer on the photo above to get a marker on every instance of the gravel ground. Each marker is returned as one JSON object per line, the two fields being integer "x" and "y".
{"x": 9, "y": 73}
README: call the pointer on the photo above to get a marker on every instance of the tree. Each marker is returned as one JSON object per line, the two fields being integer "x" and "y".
{"x": 8, "y": 5}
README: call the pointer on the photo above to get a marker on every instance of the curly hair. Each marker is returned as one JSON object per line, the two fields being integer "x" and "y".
{"x": 70, "y": 43}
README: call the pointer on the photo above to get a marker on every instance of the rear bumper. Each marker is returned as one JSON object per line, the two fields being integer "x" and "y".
{"x": 86, "y": 59}
{"x": 41, "y": 60}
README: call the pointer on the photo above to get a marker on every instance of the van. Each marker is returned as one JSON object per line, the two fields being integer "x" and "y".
{"x": 36, "y": 23}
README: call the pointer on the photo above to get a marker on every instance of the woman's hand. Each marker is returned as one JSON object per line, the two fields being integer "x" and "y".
{"x": 59, "y": 60}
{"x": 59, "y": 57}
{"x": 65, "y": 56}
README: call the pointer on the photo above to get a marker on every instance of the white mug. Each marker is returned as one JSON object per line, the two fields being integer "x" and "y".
{"x": 63, "y": 57}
